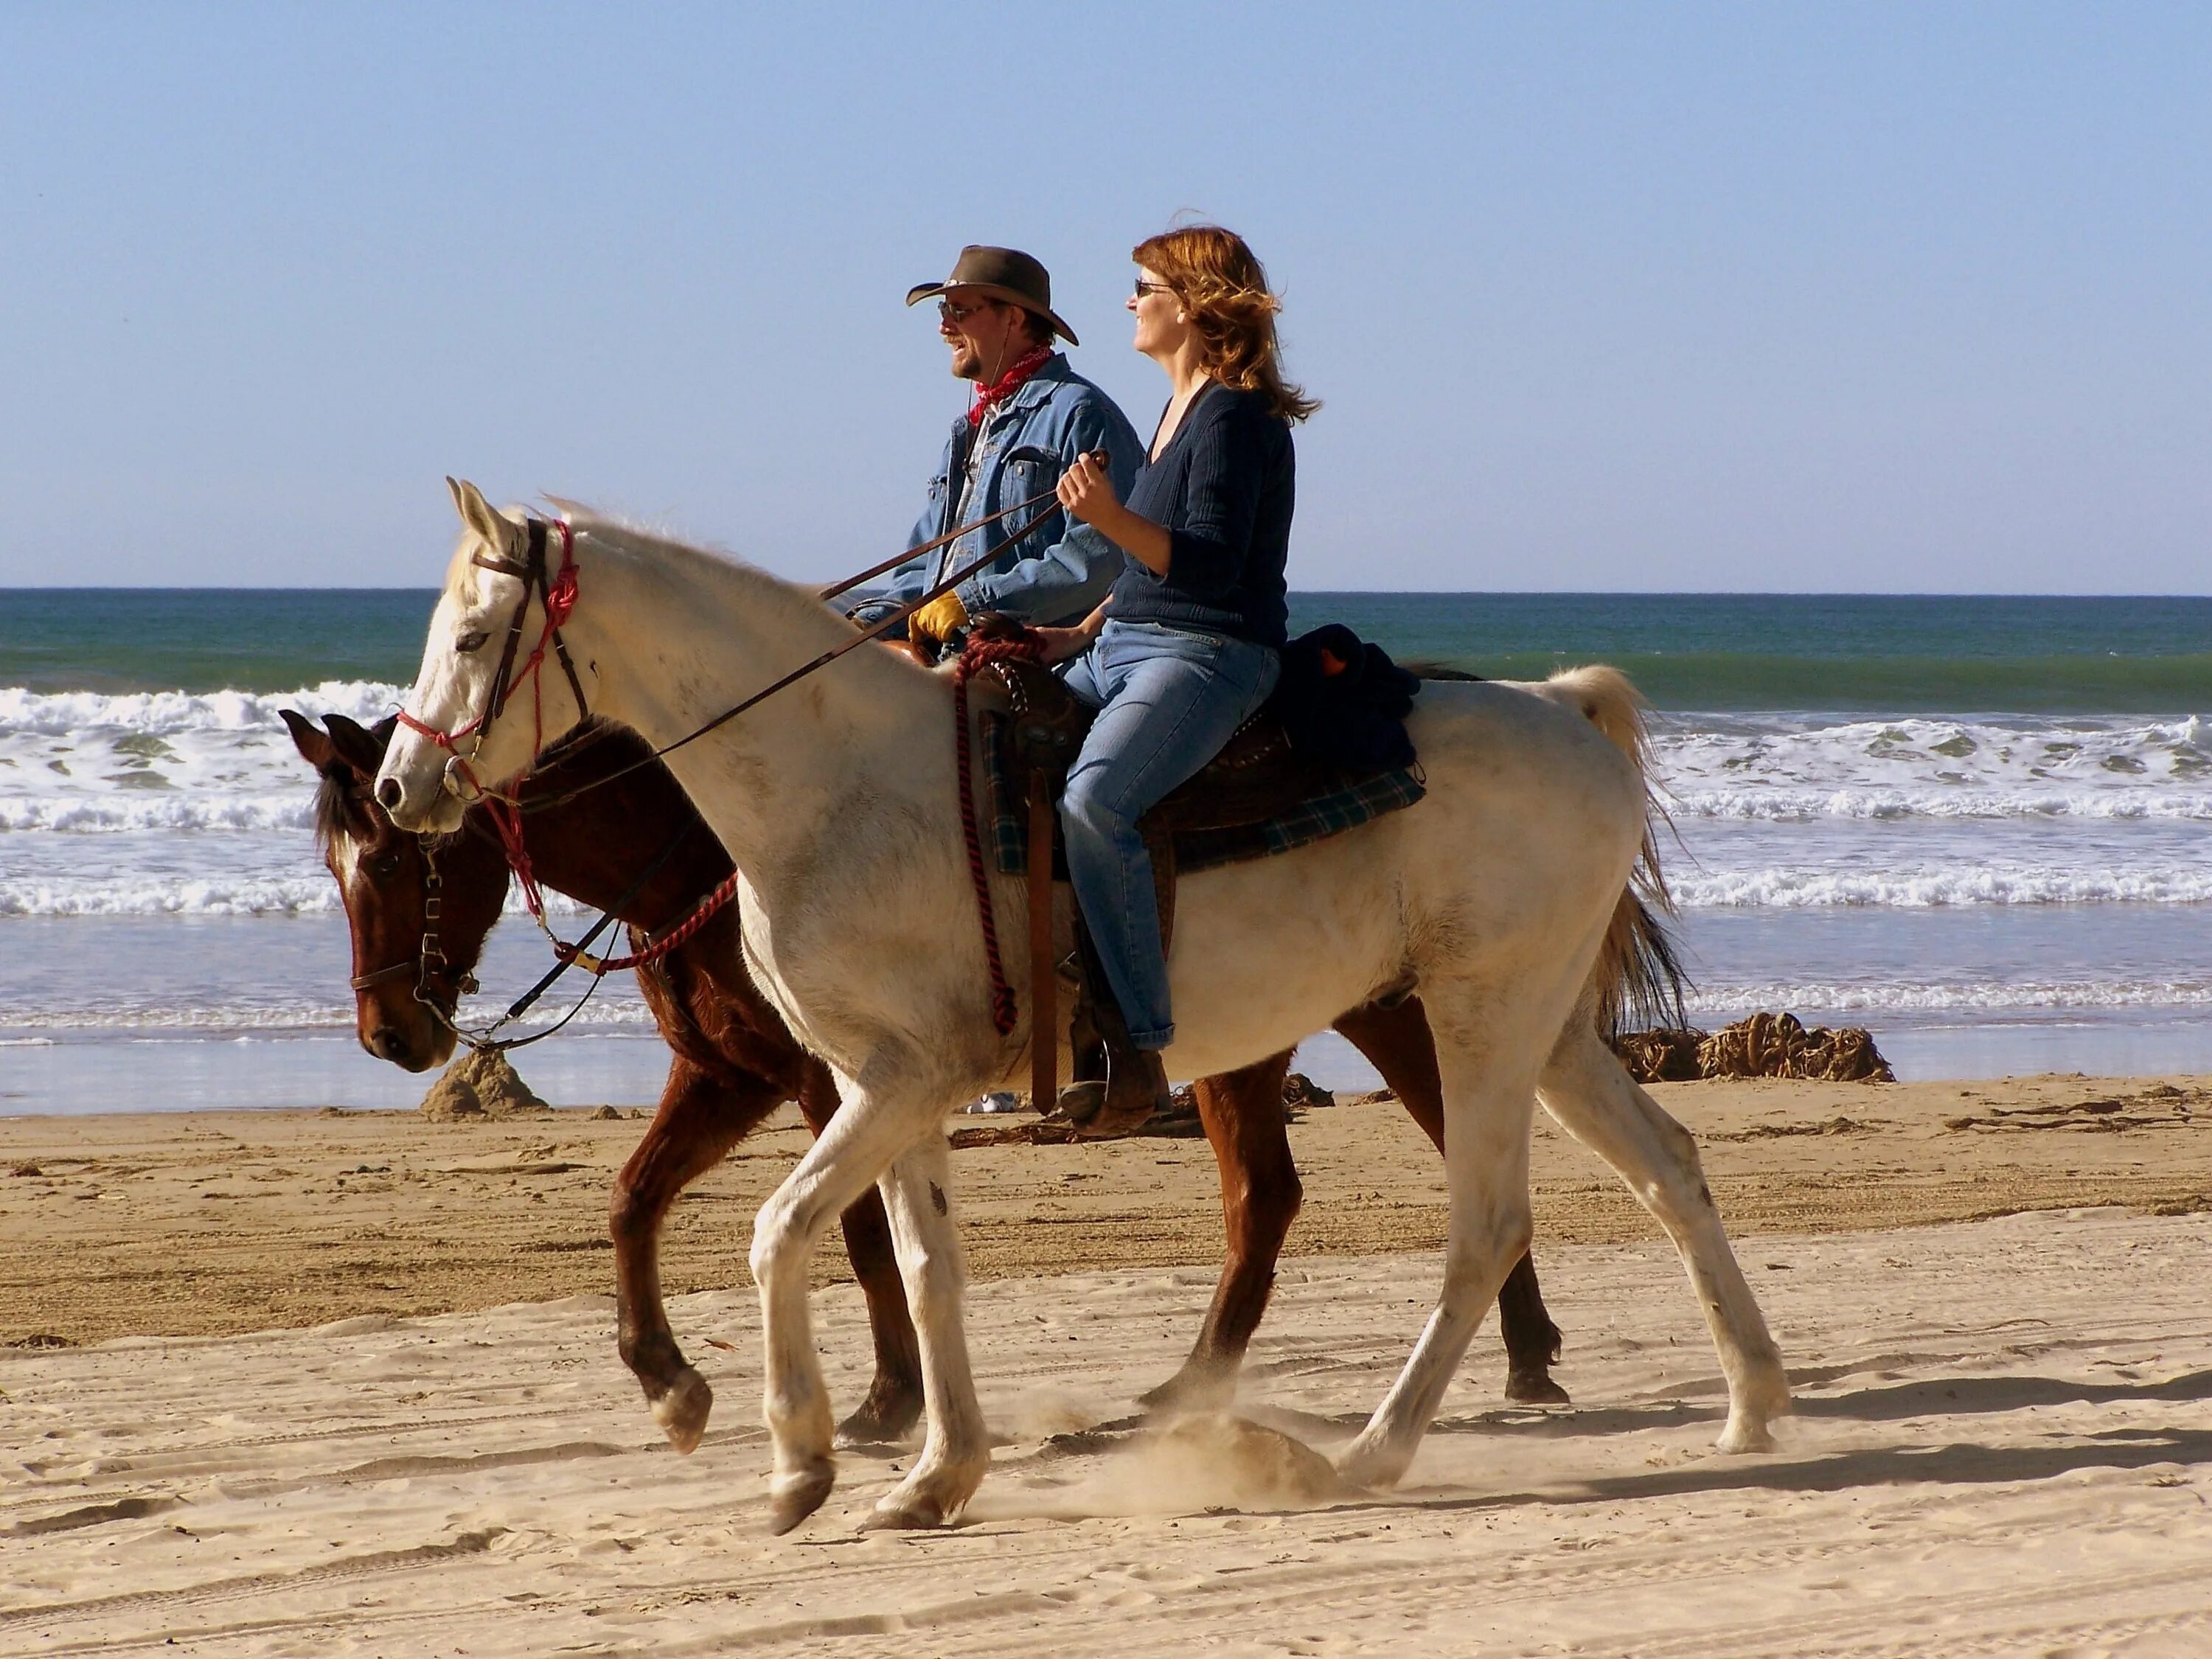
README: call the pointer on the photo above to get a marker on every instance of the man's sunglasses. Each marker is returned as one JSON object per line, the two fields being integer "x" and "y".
{"x": 956, "y": 314}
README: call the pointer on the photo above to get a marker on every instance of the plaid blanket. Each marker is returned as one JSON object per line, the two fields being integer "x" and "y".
{"x": 1349, "y": 802}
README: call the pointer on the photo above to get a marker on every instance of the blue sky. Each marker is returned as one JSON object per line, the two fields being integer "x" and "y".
{"x": 1638, "y": 296}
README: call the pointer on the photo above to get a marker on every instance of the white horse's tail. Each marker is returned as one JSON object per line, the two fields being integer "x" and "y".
{"x": 1638, "y": 978}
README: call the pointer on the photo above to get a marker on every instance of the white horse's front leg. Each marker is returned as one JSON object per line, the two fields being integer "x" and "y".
{"x": 1585, "y": 1087}
{"x": 1488, "y": 1106}
{"x": 862, "y": 1139}
{"x": 917, "y": 1194}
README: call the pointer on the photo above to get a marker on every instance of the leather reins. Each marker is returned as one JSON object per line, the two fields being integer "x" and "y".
{"x": 430, "y": 965}
{"x": 875, "y": 630}
{"x": 558, "y": 595}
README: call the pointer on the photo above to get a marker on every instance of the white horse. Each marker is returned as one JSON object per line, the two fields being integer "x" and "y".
{"x": 837, "y": 800}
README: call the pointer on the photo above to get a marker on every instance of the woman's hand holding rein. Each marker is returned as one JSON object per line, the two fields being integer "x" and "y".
{"x": 1088, "y": 494}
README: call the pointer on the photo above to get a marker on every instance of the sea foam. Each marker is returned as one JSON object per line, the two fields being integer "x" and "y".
{"x": 1790, "y": 767}
{"x": 1925, "y": 887}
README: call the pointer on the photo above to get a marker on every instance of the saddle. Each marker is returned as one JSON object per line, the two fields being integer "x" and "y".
{"x": 1257, "y": 780}
{"x": 1257, "y": 775}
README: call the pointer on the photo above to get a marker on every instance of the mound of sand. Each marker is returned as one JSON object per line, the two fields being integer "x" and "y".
{"x": 480, "y": 1084}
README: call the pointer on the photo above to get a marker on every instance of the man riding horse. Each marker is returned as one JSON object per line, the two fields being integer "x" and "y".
{"x": 1032, "y": 415}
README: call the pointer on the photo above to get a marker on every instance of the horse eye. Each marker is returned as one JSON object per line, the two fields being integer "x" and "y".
{"x": 468, "y": 642}
{"x": 384, "y": 865}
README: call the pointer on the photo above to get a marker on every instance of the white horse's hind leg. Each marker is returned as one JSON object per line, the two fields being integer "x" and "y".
{"x": 860, "y": 1143}
{"x": 1585, "y": 1087}
{"x": 1486, "y": 1112}
{"x": 956, "y": 1453}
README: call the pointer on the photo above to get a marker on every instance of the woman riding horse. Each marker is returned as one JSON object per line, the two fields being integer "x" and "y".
{"x": 1183, "y": 650}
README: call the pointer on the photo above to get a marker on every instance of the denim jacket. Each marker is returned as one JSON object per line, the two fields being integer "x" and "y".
{"x": 1058, "y": 572}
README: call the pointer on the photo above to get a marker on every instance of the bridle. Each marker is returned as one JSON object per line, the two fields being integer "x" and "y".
{"x": 439, "y": 988}
{"x": 429, "y": 964}
{"x": 557, "y": 597}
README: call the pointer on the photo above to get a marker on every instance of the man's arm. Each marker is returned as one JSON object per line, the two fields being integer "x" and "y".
{"x": 1070, "y": 577}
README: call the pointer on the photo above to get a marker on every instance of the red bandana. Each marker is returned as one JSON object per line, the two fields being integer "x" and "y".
{"x": 1007, "y": 384}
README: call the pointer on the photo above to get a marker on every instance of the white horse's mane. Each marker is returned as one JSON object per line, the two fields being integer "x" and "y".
{"x": 654, "y": 543}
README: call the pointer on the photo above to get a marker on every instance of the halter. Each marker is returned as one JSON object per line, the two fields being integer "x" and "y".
{"x": 557, "y": 598}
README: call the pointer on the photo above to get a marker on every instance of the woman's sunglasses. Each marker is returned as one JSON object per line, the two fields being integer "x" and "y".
{"x": 1144, "y": 287}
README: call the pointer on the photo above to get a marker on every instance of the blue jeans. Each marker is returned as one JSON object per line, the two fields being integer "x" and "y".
{"x": 1168, "y": 699}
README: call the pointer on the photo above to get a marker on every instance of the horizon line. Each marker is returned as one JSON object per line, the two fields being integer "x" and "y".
{"x": 1311, "y": 593}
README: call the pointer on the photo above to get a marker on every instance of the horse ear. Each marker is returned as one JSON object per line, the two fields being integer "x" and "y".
{"x": 354, "y": 746}
{"x": 309, "y": 738}
{"x": 476, "y": 514}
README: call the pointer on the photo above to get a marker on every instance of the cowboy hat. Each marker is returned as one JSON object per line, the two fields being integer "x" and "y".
{"x": 1001, "y": 273}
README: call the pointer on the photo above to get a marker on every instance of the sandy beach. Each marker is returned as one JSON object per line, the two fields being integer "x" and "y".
{"x": 317, "y": 1383}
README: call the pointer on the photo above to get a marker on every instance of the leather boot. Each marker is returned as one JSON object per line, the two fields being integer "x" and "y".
{"x": 1136, "y": 1083}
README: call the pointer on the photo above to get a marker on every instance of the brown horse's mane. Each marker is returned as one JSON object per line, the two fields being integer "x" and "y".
{"x": 339, "y": 803}
{"x": 341, "y": 795}
{"x": 341, "y": 807}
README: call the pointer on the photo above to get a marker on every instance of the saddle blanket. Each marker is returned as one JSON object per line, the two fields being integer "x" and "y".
{"x": 1346, "y": 805}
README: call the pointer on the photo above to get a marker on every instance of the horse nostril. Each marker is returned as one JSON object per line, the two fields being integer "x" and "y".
{"x": 389, "y": 794}
{"x": 387, "y": 1042}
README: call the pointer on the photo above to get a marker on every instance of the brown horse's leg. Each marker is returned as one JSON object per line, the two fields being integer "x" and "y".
{"x": 699, "y": 1120}
{"x": 1243, "y": 1112}
{"x": 1398, "y": 1042}
{"x": 893, "y": 1401}
{"x": 1531, "y": 1341}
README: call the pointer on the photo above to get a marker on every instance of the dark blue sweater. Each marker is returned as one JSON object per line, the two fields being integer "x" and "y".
{"x": 1222, "y": 489}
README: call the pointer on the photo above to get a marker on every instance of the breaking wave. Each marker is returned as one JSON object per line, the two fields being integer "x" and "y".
{"x": 1799, "y": 888}
{"x": 1784, "y": 768}
{"x": 2019, "y": 995}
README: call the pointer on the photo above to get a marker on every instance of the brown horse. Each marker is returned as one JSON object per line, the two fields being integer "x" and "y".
{"x": 734, "y": 1062}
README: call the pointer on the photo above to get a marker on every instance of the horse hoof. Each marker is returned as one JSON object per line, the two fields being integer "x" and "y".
{"x": 792, "y": 1504}
{"x": 1370, "y": 1467}
{"x": 682, "y": 1411}
{"x": 916, "y": 1514}
{"x": 885, "y": 1422}
{"x": 1536, "y": 1388}
{"x": 1189, "y": 1390}
{"x": 1746, "y": 1435}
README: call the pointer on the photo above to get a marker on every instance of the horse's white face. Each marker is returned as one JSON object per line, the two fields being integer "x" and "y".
{"x": 420, "y": 784}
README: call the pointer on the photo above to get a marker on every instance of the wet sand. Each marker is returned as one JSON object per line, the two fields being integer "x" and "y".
{"x": 206, "y": 1223}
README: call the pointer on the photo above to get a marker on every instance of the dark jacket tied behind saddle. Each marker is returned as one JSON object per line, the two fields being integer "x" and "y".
{"x": 1344, "y": 703}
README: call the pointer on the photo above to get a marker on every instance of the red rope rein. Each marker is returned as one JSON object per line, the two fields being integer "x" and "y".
{"x": 673, "y": 939}
{"x": 979, "y": 653}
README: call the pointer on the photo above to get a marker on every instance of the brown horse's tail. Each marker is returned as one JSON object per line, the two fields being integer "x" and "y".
{"x": 1638, "y": 977}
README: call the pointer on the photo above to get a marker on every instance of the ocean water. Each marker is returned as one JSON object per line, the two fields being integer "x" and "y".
{"x": 1981, "y": 826}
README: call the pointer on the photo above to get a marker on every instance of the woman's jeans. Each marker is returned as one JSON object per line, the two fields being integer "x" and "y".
{"x": 1168, "y": 700}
